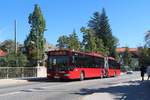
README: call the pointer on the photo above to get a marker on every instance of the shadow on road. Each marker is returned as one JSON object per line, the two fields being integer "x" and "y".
{"x": 53, "y": 80}
{"x": 45, "y": 80}
{"x": 50, "y": 80}
{"x": 135, "y": 90}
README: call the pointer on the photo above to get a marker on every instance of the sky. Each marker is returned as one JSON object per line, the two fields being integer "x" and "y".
{"x": 129, "y": 19}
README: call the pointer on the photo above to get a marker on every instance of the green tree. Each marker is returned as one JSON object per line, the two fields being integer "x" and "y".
{"x": 62, "y": 42}
{"x": 35, "y": 42}
{"x": 16, "y": 60}
{"x": 73, "y": 41}
{"x": 144, "y": 55}
{"x": 99, "y": 23}
{"x": 127, "y": 57}
{"x": 100, "y": 46}
{"x": 3, "y": 62}
{"x": 94, "y": 23}
{"x": 144, "y": 52}
{"x": 69, "y": 42}
{"x": 147, "y": 38}
{"x": 90, "y": 41}
{"x": 12, "y": 59}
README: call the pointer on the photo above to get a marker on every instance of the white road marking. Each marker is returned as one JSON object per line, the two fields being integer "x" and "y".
{"x": 32, "y": 89}
{"x": 11, "y": 93}
{"x": 55, "y": 86}
{"x": 62, "y": 85}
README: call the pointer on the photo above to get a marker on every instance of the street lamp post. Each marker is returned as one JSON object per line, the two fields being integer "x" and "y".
{"x": 15, "y": 40}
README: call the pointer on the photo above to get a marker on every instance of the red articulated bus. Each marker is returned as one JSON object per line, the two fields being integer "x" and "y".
{"x": 68, "y": 64}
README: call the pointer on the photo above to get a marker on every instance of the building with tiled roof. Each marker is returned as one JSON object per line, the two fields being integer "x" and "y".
{"x": 133, "y": 51}
{"x": 2, "y": 53}
{"x": 119, "y": 50}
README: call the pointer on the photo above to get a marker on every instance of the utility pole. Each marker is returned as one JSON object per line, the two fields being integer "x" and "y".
{"x": 15, "y": 38}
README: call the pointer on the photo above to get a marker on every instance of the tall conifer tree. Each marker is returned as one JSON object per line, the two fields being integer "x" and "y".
{"x": 35, "y": 41}
{"x": 99, "y": 23}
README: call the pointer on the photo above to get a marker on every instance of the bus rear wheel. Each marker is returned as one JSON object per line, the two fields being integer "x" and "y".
{"x": 81, "y": 76}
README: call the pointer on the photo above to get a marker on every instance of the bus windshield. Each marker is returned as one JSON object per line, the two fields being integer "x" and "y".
{"x": 58, "y": 63}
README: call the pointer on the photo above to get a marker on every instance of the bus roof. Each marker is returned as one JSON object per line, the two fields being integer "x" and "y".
{"x": 79, "y": 52}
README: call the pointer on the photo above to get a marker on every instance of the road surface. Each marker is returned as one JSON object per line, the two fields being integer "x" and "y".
{"x": 125, "y": 87}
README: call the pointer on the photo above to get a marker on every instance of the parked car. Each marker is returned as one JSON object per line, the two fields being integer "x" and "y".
{"x": 130, "y": 72}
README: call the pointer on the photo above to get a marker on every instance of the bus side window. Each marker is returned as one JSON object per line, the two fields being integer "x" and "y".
{"x": 111, "y": 64}
{"x": 76, "y": 61}
{"x": 54, "y": 61}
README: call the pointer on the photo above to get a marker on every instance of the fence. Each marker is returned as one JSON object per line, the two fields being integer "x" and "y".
{"x": 17, "y": 72}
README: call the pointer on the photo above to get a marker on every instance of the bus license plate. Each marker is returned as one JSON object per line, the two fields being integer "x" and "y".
{"x": 56, "y": 77}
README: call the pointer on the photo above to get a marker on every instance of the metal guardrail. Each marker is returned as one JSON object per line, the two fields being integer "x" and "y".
{"x": 17, "y": 72}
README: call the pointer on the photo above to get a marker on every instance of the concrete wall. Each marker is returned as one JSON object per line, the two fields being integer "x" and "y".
{"x": 41, "y": 71}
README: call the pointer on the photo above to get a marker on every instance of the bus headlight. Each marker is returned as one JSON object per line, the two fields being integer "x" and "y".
{"x": 48, "y": 74}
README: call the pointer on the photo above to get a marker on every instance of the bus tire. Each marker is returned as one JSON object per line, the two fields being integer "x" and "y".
{"x": 81, "y": 76}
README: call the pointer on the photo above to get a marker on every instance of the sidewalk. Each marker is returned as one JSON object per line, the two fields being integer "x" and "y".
{"x": 17, "y": 81}
{"x": 99, "y": 96}
{"x": 4, "y": 82}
